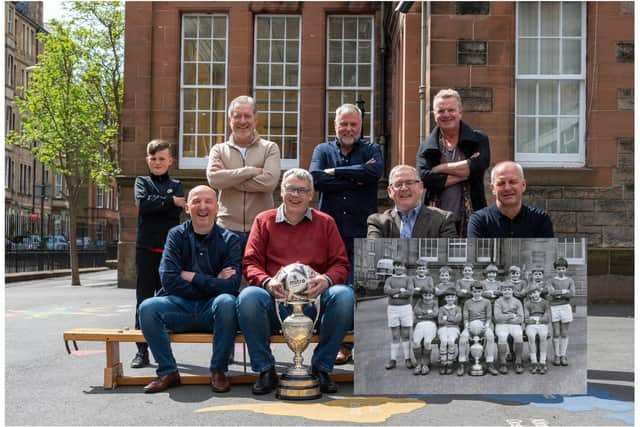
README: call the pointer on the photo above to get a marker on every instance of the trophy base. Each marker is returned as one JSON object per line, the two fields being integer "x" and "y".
{"x": 298, "y": 387}
{"x": 476, "y": 370}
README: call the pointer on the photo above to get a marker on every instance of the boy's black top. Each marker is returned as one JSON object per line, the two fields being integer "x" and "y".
{"x": 156, "y": 212}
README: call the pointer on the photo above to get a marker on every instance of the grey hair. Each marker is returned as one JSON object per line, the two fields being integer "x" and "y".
{"x": 399, "y": 168}
{"x": 297, "y": 173}
{"x": 447, "y": 93}
{"x": 503, "y": 164}
{"x": 348, "y": 108}
{"x": 243, "y": 99}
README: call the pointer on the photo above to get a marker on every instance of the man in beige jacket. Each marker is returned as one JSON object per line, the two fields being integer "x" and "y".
{"x": 244, "y": 169}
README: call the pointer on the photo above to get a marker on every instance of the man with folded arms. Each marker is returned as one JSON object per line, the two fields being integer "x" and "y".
{"x": 200, "y": 274}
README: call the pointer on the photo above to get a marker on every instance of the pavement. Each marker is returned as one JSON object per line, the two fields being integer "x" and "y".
{"x": 46, "y": 386}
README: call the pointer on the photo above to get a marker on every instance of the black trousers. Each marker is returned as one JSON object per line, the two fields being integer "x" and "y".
{"x": 147, "y": 282}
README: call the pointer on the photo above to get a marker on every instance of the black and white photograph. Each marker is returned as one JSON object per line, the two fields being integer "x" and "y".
{"x": 469, "y": 316}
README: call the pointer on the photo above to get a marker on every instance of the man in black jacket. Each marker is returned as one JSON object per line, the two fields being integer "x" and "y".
{"x": 452, "y": 161}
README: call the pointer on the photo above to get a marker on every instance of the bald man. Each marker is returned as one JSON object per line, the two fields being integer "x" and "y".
{"x": 200, "y": 275}
{"x": 508, "y": 217}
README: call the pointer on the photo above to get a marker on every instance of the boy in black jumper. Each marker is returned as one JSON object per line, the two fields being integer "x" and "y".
{"x": 160, "y": 201}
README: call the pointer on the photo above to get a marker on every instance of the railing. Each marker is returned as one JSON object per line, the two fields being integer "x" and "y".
{"x": 42, "y": 260}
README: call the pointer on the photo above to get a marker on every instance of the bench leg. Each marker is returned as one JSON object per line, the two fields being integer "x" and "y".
{"x": 114, "y": 366}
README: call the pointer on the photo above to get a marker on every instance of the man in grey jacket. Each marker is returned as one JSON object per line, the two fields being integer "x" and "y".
{"x": 409, "y": 217}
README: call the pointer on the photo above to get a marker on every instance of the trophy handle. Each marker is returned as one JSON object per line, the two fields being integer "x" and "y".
{"x": 277, "y": 307}
{"x": 317, "y": 301}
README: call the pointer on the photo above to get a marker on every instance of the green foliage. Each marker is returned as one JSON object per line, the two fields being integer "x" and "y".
{"x": 70, "y": 113}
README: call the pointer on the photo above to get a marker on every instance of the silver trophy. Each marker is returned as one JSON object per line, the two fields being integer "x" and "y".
{"x": 297, "y": 383}
{"x": 476, "y": 329}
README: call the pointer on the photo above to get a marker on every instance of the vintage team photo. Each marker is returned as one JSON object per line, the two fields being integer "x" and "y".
{"x": 471, "y": 316}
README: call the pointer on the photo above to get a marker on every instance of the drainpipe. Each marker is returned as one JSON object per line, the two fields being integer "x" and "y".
{"x": 382, "y": 139}
{"x": 425, "y": 11}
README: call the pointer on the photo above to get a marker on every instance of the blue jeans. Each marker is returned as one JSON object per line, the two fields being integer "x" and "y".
{"x": 217, "y": 315}
{"x": 258, "y": 321}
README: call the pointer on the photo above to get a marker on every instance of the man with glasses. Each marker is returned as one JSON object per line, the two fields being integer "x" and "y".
{"x": 409, "y": 217}
{"x": 346, "y": 172}
{"x": 294, "y": 232}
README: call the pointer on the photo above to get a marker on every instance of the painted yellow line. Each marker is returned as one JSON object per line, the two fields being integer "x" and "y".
{"x": 364, "y": 410}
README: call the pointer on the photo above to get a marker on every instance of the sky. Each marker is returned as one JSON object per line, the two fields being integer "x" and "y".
{"x": 52, "y": 9}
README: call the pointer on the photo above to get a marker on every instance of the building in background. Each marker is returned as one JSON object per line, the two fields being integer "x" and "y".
{"x": 536, "y": 76}
{"x": 34, "y": 196}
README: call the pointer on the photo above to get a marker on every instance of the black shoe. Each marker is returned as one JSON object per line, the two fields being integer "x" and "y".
{"x": 267, "y": 381}
{"x": 140, "y": 360}
{"x": 326, "y": 384}
{"x": 390, "y": 364}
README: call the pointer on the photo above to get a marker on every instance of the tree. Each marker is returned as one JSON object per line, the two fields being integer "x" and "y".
{"x": 71, "y": 109}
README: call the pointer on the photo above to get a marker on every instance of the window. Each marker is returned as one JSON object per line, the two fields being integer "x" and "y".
{"x": 390, "y": 247}
{"x": 428, "y": 248}
{"x": 8, "y": 125}
{"x": 59, "y": 184}
{"x": 550, "y": 83}
{"x": 457, "y": 250}
{"x": 32, "y": 42}
{"x": 99, "y": 197}
{"x": 484, "y": 250}
{"x": 10, "y": 70}
{"x": 572, "y": 249}
{"x": 47, "y": 187}
{"x": 8, "y": 173}
{"x": 276, "y": 78}
{"x": 10, "y": 17}
{"x": 203, "y": 83}
{"x": 350, "y": 48}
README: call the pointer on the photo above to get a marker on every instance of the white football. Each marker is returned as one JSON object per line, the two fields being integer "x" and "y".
{"x": 294, "y": 278}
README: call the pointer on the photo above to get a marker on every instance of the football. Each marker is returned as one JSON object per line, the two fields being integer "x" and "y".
{"x": 294, "y": 279}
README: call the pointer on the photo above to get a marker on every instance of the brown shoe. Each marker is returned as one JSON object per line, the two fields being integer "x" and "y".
{"x": 344, "y": 355}
{"x": 163, "y": 382}
{"x": 219, "y": 381}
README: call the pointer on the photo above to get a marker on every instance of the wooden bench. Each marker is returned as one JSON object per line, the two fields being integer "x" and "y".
{"x": 114, "y": 372}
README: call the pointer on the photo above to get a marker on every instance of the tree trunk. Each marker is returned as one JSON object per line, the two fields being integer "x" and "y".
{"x": 73, "y": 244}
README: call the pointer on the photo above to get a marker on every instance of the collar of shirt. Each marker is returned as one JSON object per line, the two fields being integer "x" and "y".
{"x": 160, "y": 178}
{"x": 281, "y": 217}
{"x": 411, "y": 216}
{"x": 520, "y": 215}
{"x": 346, "y": 158}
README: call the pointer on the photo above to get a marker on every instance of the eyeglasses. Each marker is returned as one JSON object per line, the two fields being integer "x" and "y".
{"x": 398, "y": 185}
{"x": 296, "y": 190}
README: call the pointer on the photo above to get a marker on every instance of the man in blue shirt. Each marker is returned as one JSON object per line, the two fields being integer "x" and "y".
{"x": 200, "y": 274}
{"x": 346, "y": 172}
{"x": 509, "y": 217}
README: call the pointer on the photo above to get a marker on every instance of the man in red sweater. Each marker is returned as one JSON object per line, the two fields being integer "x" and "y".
{"x": 294, "y": 233}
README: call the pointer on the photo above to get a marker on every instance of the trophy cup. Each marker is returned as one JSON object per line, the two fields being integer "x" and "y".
{"x": 476, "y": 328}
{"x": 297, "y": 383}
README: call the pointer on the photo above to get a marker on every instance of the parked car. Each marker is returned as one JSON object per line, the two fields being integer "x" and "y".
{"x": 27, "y": 242}
{"x": 56, "y": 243}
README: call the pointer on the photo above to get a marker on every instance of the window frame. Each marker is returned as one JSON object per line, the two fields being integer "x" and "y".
{"x": 426, "y": 250}
{"x": 188, "y": 162}
{"x": 100, "y": 197}
{"x": 285, "y": 163}
{"x": 561, "y": 245}
{"x": 370, "y": 111}
{"x": 480, "y": 248}
{"x": 557, "y": 159}
{"x": 452, "y": 244}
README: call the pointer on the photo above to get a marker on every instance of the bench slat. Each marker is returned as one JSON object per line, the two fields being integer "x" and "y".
{"x": 135, "y": 335}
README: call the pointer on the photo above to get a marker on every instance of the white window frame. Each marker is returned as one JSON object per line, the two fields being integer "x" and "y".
{"x": 427, "y": 249}
{"x": 7, "y": 172}
{"x": 483, "y": 245}
{"x": 579, "y": 245}
{"x": 285, "y": 163}
{"x": 10, "y": 18}
{"x": 369, "y": 109}
{"x": 59, "y": 186}
{"x": 99, "y": 197}
{"x": 452, "y": 246}
{"x": 10, "y": 70}
{"x": 553, "y": 159}
{"x": 201, "y": 161}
